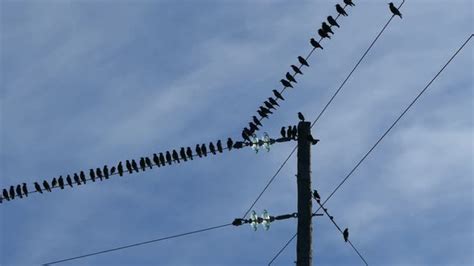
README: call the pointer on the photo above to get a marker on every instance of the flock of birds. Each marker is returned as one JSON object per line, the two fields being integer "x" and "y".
{"x": 201, "y": 150}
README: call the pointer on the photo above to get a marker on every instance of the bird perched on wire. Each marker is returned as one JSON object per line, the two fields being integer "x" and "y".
{"x": 135, "y": 166}
{"x": 296, "y": 69}
{"x": 326, "y": 28}
{"x": 395, "y": 10}
{"x": 262, "y": 114}
{"x": 83, "y": 177}
{"x": 316, "y": 196}
{"x": 129, "y": 166}
{"x": 61, "y": 182}
{"x": 230, "y": 144}
{"x": 253, "y": 127}
{"x": 38, "y": 188}
{"x": 148, "y": 162}
{"x": 278, "y": 95}
{"x": 290, "y": 77}
{"x": 46, "y": 186}
{"x": 54, "y": 182}
{"x": 346, "y": 234}
{"x": 245, "y": 135}
{"x": 286, "y": 83}
{"x": 142, "y": 163}
{"x": 182, "y": 153}
{"x": 349, "y": 2}
{"x": 315, "y": 44}
{"x": 219, "y": 146}
{"x": 12, "y": 192}
{"x": 76, "y": 179}
{"x": 323, "y": 34}
{"x": 300, "y": 116}
{"x": 106, "y": 172}
{"x": 189, "y": 153}
{"x": 289, "y": 132}
{"x": 98, "y": 172}
{"x": 69, "y": 180}
{"x": 341, "y": 10}
{"x": 332, "y": 21}
{"x": 168, "y": 157}
{"x": 204, "y": 149}
{"x": 198, "y": 150}
{"x": 303, "y": 61}
{"x": 156, "y": 160}
{"x": 113, "y": 169}
{"x": 175, "y": 156}
{"x": 120, "y": 168}
{"x": 25, "y": 189}
{"x": 272, "y": 101}
{"x": 294, "y": 132}
{"x": 162, "y": 159}
{"x": 283, "y": 132}
{"x": 212, "y": 148}
{"x": 18, "y": 191}
{"x": 269, "y": 105}
{"x": 256, "y": 121}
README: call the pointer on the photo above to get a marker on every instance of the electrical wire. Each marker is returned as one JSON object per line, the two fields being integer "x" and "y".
{"x": 388, "y": 130}
{"x": 137, "y": 244}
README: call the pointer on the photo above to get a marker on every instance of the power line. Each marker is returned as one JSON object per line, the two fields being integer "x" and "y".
{"x": 386, "y": 132}
{"x": 138, "y": 244}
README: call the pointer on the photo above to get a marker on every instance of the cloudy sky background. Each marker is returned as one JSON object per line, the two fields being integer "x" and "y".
{"x": 88, "y": 83}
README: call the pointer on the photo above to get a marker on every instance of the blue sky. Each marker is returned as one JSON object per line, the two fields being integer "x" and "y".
{"x": 88, "y": 83}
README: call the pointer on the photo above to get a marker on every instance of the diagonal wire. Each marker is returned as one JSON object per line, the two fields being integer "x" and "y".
{"x": 388, "y": 130}
{"x": 137, "y": 244}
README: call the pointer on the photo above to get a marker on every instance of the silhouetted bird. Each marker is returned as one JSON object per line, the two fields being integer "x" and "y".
{"x": 313, "y": 140}
{"x": 83, "y": 177}
{"x": 98, "y": 172}
{"x": 255, "y": 119}
{"x": 54, "y": 182}
{"x": 212, "y": 148}
{"x": 283, "y": 132}
{"x": 323, "y": 34}
{"x": 326, "y": 28}
{"x": 296, "y": 69}
{"x": 316, "y": 196}
{"x": 18, "y": 191}
{"x": 230, "y": 144}
{"x": 262, "y": 114}
{"x": 69, "y": 180}
{"x": 129, "y": 166}
{"x": 92, "y": 174}
{"x": 294, "y": 132}
{"x": 269, "y": 105}
{"x": 289, "y": 77}
{"x": 303, "y": 61}
{"x": 156, "y": 160}
{"x": 5, "y": 194}
{"x": 76, "y": 179}
{"x": 61, "y": 182}
{"x": 189, "y": 153}
{"x": 272, "y": 101}
{"x": 289, "y": 132}
{"x": 332, "y": 21}
{"x": 106, "y": 172}
{"x": 395, "y": 10}
{"x": 286, "y": 83}
{"x": 204, "y": 149}
{"x": 245, "y": 136}
{"x": 182, "y": 153}
{"x": 168, "y": 157}
{"x": 25, "y": 189}
{"x": 198, "y": 150}
{"x": 12, "y": 192}
{"x": 162, "y": 159}
{"x": 265, "y": 110}
{"x": 142, "y": 163}
{"x": 346, "y": 234}
{"x": 315, "y": 44}
{"x": 349, "y": 2}
{"x": 38, "y": 188}
{"x": 278, "y": 95}
{"x": 120, "y": 169}
{"x": 253, "y": 127}
{"x": 219, "y": 146}
{"x": 238, "y": 144}
{"x": 341, "y": 10}
{"x": 135, "y": 166}
{"x": 175, "y": 156}
{"x": 46, "y": 186}
{"x": 300, "y": 117}
{"x": 113, "y": 169}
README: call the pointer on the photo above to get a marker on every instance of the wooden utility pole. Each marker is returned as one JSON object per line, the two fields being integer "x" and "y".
{"x": 304, "y": 250}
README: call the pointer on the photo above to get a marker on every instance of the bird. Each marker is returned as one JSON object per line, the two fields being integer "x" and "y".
{"x": 92, "y": 174}
{"x": 198, "y": 150}
{"x": 135, "y": 166}
{"x": 262, "y": 114}
{"x": 98, "y": 172}
{"x": 341, "y": 10}
{"x": 315, "y": 44}
{"x": 12, "y": 192}
{"x": 129, "y": 166}
{"x": 112, "y": 170}
{"x": 301, "y": 116}
{"x": 238, "y": 144}
{"x": 76, "y": 179}
{"x": 312, "y": 140}
{"x": 212, "y": 148}
{"x": 253, "y": 127}
{"x": 25, "y": 189}
{"x": 106, "y": 172}
{"x": 46, "y": 186}
{"x": 283, "y": 132}
{"x": 265, "y": 110}
{"x": 269, "y": 105}
{"x": 286, "y": 83}
{"x": 69, "y": 180}
{"x": 289, "y": 132}
{"x": 120, "y": 168}
{"x": 83, "y": 177}
{"x": 5, "y": 195}
{"x": 272, "y": 101}
{"x": 219, "y": 146}
{"x": 326, "y": 28}
{"x": 18, "y": 191}
{"x": 168, "y": 157}
{"x": 278, "y": 95}
{"x": 162, "y": 159}
{"x": 142, "y": 163}
{"x": 346, "y": 234}
{"x": 303, "y": 61}
{"x": 38, "y": 188}
{"x": 323, "y": 34}
{"x": 175, "y": 156}
{"x": 296, "y": 69}
{"x": 182, "y": 153}
{"x": 332, "y": 21}
{"x": 156, "y": 160}
{"x": 255, "y": 119}
{"x": 395, "y": 10}
{"x": 61, "y": 182}
{"x": 189, "y": 153}
{"x": 54, "y": 182}
{"x": 290, "y": 77}
{"x": 230, "y": 144}
{"x": 316, "y": 196}
{"x": 349, "y": 2}
{"x": 204, "y": 150}
{"x": 294, "y": 132}
{"x": 245, "y": 135}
